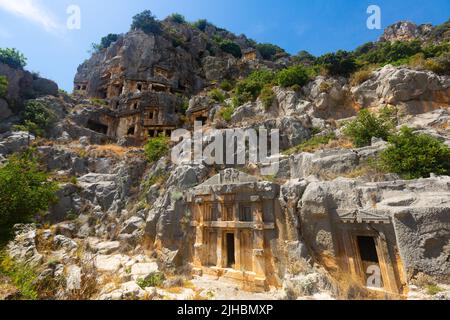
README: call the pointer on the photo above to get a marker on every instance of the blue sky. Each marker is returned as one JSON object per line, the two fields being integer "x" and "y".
{"x": 38, "y": 27}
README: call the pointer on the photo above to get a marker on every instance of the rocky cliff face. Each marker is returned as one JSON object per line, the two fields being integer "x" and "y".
{"x": 120, "y": 220}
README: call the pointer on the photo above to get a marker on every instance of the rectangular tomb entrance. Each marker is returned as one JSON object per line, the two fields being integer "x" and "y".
{"x": 233, "y": 215}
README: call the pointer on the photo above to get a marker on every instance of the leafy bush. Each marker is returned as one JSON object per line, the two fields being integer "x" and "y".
{"x": 413, "y": 155}
{"x": 25, "y": 191}
{"x": 226, "y": 113}
{"x": 146, "y": 22}
{"x": 177, "y": 18}
{"x": 304, "y": 58}
{"x": 3, "y": 86}
{"x": 312, "y": 144}
{"x": 156, "y": 148}
{"x": 340, "y": 63}
{"x": 367, "y": 126}
{"x": 267, "y": 96}
{"x": 439, "y": 65}
{"x": 201, "y": 24}
{"x": 105, "y": 42}
{"x": 217, "y": 95}
{"x": 269, "y": 51}
{"x": 230, "y": 47}
{"x": 12, "y": 58}
{"x": 226, "y": 85}
{"x": 154, "y": 279}
{"x": 22, "y": 276}
{"x": 360, "y": 77}
{"x": 38, "y": 118}
{"x": 391, "y": 52}
{"x": 295, "y": 75}
{"x": 250, "y": 88}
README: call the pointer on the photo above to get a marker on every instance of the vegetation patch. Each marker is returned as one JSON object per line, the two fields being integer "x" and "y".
{"x": 155, "y": 279}
{"x": 25, "y": 192}
{"x": 413, "y": 155}
{"x": 156, "y": 148}
{"x": 22, "y": 276}
{"x": 312, "y": 144}
{"x": 3, "y": 86}
{"x": 367, "y": 126}
{"x": 12, "y": 58}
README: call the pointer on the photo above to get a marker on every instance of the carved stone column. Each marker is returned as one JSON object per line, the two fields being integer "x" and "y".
{"x": 258, "y": 239}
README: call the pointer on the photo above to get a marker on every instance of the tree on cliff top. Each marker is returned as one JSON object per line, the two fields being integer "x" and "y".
{"x": 12, "y": 58}
{"x": 146, "y": 22}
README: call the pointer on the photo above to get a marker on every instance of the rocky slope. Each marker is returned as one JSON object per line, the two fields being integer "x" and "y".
{"x": 120, "y": 219}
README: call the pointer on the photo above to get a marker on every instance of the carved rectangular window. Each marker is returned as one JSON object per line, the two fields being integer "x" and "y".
{"x": 245, "y": 213}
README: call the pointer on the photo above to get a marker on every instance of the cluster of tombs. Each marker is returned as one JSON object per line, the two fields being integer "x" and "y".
{"x": 142, "y": 108}
{"x": 237, "y": 218}
{"x": 139, "y": 109}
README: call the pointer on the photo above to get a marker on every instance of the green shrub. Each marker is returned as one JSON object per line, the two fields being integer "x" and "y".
{"x": 201, "y": 24}
{"x": 226, "y": 113}
{"x": 413, "y": 155}
{"x": 217, "y": 95}
{"x": 267, "y": 96}
{"x": 304, "y": 58}
{"x": 439, "y": 65}
{"x": 226, "y": 85}
{"x": 105, "y": 42}
{"x": 12, "y": 58}
{"x": 312, "y": 144}
{"x": 25, "y": 191}
{"x": 22, "y": 276}
{"x": 146, "y": 22}
{"x": 156, "y": 148}
{"x": 250, "y": 88}
{"x": 360, "y": 77}
{"x": 3, "y": 86}
{"x": 155, "y": 279}
{"x": 295, "y": 75}
{"x": 230, "y": 47}
{"x": 391, "y": 52}
{"x": 177, "y": 18}
{"x": 367, "y": 126}
{"x": 38, "y": 118}
{"x": 269, "y": 51}
{"x": 341, "y": 63}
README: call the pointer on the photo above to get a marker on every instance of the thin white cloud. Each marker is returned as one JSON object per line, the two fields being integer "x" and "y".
{"x": 32, "y": 11}
{"x": 5, "y": 34}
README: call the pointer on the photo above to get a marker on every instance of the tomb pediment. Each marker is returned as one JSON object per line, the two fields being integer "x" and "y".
{"x": 230, "y": 177}
{"x": 363, "y": 216}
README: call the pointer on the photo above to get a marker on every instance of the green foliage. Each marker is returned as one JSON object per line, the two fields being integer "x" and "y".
{"x": 3, "y": 86}
{"x": 38, "y": 118}
{"x": 295, "y": 75}
{"x": 230, "y": 47}
{"x": 433, "y": 289}
{"x": 390, "y": 52}
{"x": 105, "y": 42}
{"x": 439, "y": 65}
{"x": 312, "y": 144}
{"x": 25, "y": 191}
{"x": 154, "y": 279}
{"x": 12, "y": 58}
{"x": 250, "y": 88}
{"x": 340, "y": 63}
{"x": 226, "y": 113}
{"x": 217, "y": 95}
{"x": 267, "y": 96}
{"x": 226, "y": 85}
{"x": 360, "y": 76}
{"x": 367, "y": 126}
{"x": 156, "y": 148}
{"x": 98, "y": 102}
{"x": 146, "y": 22}
{"x": 22, "y": 276}
{"x": 413, "y": 155}
{"x": 201, "y": 24}
{"x": 304, "y": 58}
{"x": 177, "y": 18}
{"x": 269, "y": 51}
